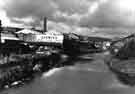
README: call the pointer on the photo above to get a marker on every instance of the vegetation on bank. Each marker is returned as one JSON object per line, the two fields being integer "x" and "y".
{"x": 123, "y": 61}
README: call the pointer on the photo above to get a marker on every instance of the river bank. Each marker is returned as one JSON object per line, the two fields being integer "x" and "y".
{"x": 84, "y": 77}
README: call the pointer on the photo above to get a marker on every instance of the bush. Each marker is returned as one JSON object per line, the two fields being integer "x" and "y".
{"x": 127, "y": 51}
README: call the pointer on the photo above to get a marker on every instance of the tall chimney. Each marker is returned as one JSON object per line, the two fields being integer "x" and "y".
{"x": 45, "y": 25}
{"x": 0, "y": 29}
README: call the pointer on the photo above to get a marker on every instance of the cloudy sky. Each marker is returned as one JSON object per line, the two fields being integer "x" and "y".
{"x": 70, "y": 15}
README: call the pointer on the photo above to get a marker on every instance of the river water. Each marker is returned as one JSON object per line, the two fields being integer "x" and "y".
{"x": 85, "y": 77}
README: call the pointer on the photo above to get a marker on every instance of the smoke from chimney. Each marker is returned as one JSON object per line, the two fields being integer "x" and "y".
{"x": 45, "y": 25}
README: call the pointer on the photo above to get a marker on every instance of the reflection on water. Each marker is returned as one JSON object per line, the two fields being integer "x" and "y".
{"x": 51, "y": 72}
{"x": 92, "y": 77}
{"x": 68, "y": 80}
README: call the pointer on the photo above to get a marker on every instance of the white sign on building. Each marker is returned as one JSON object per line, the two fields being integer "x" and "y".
{"x": 49, "y": 38}
{"x": 45, "y": 38}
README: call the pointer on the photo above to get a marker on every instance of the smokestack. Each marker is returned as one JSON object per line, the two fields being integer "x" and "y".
{"x": 0, "y": 29}
{"x": 45, "y": 25}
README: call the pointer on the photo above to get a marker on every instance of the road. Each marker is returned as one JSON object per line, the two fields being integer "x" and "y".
{"x": 85, "y": 77}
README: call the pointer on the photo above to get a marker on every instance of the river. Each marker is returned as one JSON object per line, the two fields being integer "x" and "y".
{"x": 85, "y": 77}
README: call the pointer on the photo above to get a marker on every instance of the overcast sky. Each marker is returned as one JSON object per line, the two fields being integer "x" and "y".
{"x": 69, "y": 14}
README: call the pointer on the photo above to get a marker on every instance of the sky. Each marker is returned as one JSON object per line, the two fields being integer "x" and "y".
{"x": 70, "y": 15}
